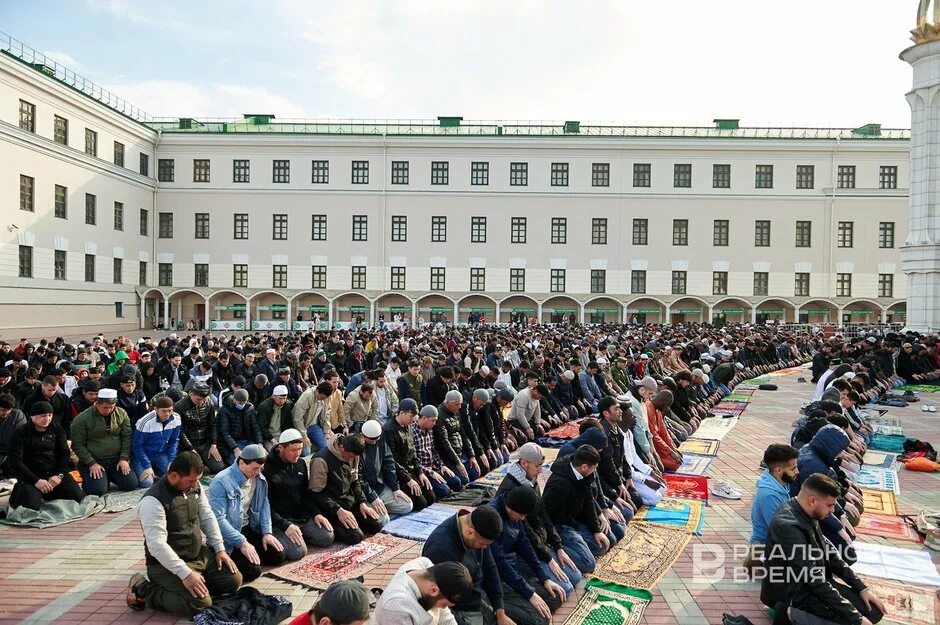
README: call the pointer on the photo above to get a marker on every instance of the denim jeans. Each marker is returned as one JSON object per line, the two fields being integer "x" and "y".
{"x": 588, "y": 537}
{"x": 472, "y": 474}
{"x": 458, "y": 476}
{"x": 158, "y": 462}
{"x": 443, "y": 490}
{"x": 576, "y": 548}
{"x": 574, "y": 575}
{"x": 99, "y": 486}
{"x": 317, "y": 437}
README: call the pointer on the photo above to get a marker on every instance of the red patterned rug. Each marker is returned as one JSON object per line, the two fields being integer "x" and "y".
{"x": 566, "y": 430}
{"x": 887, "y": 526}
{"x": 686, "y": 486}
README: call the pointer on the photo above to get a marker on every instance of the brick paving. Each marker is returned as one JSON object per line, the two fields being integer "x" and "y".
{"x": 76, "y": 574}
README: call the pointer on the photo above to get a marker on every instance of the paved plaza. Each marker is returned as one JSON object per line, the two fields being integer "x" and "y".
{"x": 77, "y": 573}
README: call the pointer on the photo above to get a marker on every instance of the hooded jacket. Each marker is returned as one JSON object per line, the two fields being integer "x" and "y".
{"x": 287, "y": 492}
{"x": 513, "y": 540}
{"x": 334, "y": 482}
{"x": 819, "y": 455}
{"x": 539, "y": 528}
{"x": 568, "y": 500}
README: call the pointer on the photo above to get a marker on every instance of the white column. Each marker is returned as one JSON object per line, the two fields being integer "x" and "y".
{"x": 414, "y": 314}
{"x": 372, "y": 317}
{"x": 496, "y": 320}
{"x": 538, "y": 312}
{"x": 581, "y": 306}
{"x": 753, "y": 315}
{"x": 329, "y": 314}
{"x": 247, "y": 314}
{"x": 623, "y": 314}
{"x": 143, "y": 304}
{"x": 166, "y": 312}
{"x": 668, "y": 315}
{"x": 207, "y": 314}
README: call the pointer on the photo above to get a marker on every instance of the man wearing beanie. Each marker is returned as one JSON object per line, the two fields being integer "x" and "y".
{"x": 39, "y": 460}
{"x": 466, "y": 538}
{"x": 411, "y": 477}
{"x": 101, "y": 438}
{"x": 238, "y": 425}
{"x": 518, "y": 564}
{"x": 379, "y": 477}
{"x": 443, "y": 480}
{"x": 239, "y": 498}
{"x": 422, "y": 592}
{"x": 155, "y": 441}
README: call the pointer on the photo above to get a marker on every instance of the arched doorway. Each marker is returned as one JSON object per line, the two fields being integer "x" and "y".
{"x": 434, "y": 308}
{"x": 517, "y": 309}
{"x": 187, "y": 310}
{"x": 774, "y": 311}
{"x": 897, "y": 313}
{"x": 646, "y": 310}
{"x": 731, "y": 310}
{"x": 152, "y": 304}
{"x": 311, "y": 311}
{"x": 393, "y": 310}
{"x": 603, "y": 310}
{"x": 348, "y": 308}
{"x": 862, "y": 312}
{"x": 561, "y": 309}
{"x": 688, "y": 310}
{"x": 269, "y": 311}
{"x": 818, "y": 311}
{"x": 228, "y": 310}
{"x": 481, "y": 307}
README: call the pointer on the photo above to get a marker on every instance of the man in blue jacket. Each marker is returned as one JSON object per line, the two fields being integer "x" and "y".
{"x": 239, "y": 499}
{"x": 773, "y": 488}
{"x": 155, "y": 441}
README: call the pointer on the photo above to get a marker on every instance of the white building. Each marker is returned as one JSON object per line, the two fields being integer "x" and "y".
{"x": 248, "y": 223}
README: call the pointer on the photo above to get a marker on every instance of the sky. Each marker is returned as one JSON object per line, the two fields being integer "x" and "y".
{"x": 816, "y": 63}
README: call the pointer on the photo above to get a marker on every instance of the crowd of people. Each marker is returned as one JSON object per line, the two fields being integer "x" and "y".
{"x": 324, "y": 436}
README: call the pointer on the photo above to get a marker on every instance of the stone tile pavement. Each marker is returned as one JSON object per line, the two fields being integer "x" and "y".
{"x": 77, "y": 573}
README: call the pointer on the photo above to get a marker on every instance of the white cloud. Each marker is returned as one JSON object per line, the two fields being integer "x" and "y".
{"x": 64, "y": 59}
{"x": 162, "y": 17}
{"x": 167, "y": 98}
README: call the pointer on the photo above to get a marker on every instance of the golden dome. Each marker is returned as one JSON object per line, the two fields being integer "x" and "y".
{"x": 928, "y": 22}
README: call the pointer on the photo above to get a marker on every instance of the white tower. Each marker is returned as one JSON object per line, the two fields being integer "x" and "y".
{"x": 920, "y": 255}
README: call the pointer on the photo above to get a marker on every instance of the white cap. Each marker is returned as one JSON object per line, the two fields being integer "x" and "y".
{"x": 371, "y": 429}
{"x": 290, "y": 436}
{"x": 601, "y": 361}
{"x": 568, "y": 374}
{"x": 644, "y": 357}
{"x": 705, "y": 379}
{"x": 107, "y": 393}
{"x": 271, "y": 350}
{"x": 280, "y": 390}
{"x": 706, "y": 369}
{"x": 848, "y": 375}
{"x": 485, "y": 370}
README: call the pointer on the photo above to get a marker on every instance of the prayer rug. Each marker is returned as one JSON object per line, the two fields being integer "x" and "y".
{"x": 727, "y": 412}
{"x": 882, "y": 420}
{"x": 878, "y": 479}
{"x": 419, "y": 525}
{"x": 885, "y": 442}
{"x": 904, "y": 565}
{"x": 880, "y": 460}
{"x": 688, "y": 514}
{"x": 609, "y": 604}
{"x": 920, "y": 388}
{"x": 738, "y": 398}
{"x": 886, "y": 526}
{"x": 119, "y": 502}
{"x": 54, "y": 513}
{"x": 715, "y": 428}
{"x": 687, "y": 486}
{"x": 879, "y": 501}
{"x": 693, "y": 464}
{"x": 700, "y": 446}
{"x": 319, "y": 570}
{"x": 906, "y": 603}
{"x": 890, "y": 430}
{"x": 565, "y": 430}
{"x": 643, "y": 556}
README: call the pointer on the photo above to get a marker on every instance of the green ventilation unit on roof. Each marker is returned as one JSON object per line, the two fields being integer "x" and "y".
{"x": 259, "y": 119}
{"x": 572, "y": 128}
{"x": 449, "y": 122}
{"x": 727, "y": 124}
{"x": 868, "y": 130}
{"x": 45, "y": 69}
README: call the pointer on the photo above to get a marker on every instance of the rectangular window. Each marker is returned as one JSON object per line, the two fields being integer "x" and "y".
{"x": 318, "y": 277}
{"x": 600, "y": 174}
{"x": 398, "y": 279}
{"x": 360, "y": 228}
{"x": 91, "y": 142}
{"x": 202, "y": 225}
{"x": 479, "y": 173}
{"x": 119, "y": 310}
{"x": 279, "y": 227}
{"x": 90, "y": 268}
{"x": 281, "y": 172}
{"x": 638, "y": 281}
{"x": 843, "y": 285}
{"x": 117, "y": 270}
{"x": 804, "y": 233}
{"x": 678, "y": 282}
{"x": 60, "y": 130}
{"x": 241, "y": 170}
{"x": 61, "y": 209}
{"x": 559, "y": 174}
{"x": 240, "y": 276}
{"x": 477, "y": 279}
{"x": 438, "y": 278}
{"x": 885, "y": 285}
{"x": 320, "y": 172}
{"x": 559, "y": 230}
{"x": 886, "y": 234}
{"x": 761, "y": 282}
{"x": 26, "y": 261}
{"x": 142, "y": 273}
{"x": 318, "y": 228}
{"x": 846, "y": 177}
{"x": 682, "y": 176}
{"x": 764, "y": 177}
{"x": 680, "y": 231}
{"x": 720, "y": 234}
{"x": 438, "y": 229}
{"x": 801, "y": 285}
{"x": 719, "y": 283}
{"x": 119, "y": 154}
{"x": 518, "y": 174}
{"x": 240, "y": 226}
{"x": 400, "y": 228}
{"x": 60, "y": 264}
{"x": 119, "y": 216}
{"x": 440, "y": 172}
{"x": 279, "y": 276}
{"x": 478, "y": 229}
{"x": 201, "y": 170}
{"x": 360, "y": 172}
{"x": 166, "y": 169}
{"x": 517, "y": 230}
{"x": 144, "y": 169}
{"x": 721, "y": 176}
{"x": 888, "y": 177}
{"x": 27, "y": 116}
{"x": 517, "y": 280}
{"x": 557, "y": 281}
{"x": 27, "y": 193}
{"x": 599, "y": 231}
{"x": 400, "y": 172}
{"x": 598, "y": 281}
{"x": 762, "y": 233}
{"x": 805, "y": 176}
{"x": 165, "y": 227}
{"x": 144, "y": 222}
{"x": 165, "y": 274}
{"x": 846, "y": 234}
{"x": 91, "y": 209}
{"x": 641, "y": 230}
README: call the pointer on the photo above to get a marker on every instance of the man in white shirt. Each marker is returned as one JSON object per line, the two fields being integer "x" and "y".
{"x": 647, "y": 480}
{"x": 421, "y": 593}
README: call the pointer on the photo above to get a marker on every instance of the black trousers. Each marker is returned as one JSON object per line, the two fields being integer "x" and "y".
{"x": 816, "y": 613}
{"x": 422, "y": 501}
{"x": 355, "y": 536}
{"x": 28, "y": 495}
{"x": 268, "y": 556}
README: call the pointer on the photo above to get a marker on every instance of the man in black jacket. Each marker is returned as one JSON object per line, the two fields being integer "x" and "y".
{"x": 615, "y": 474}
{"x": 802, "y": 565}
{"x": 173, "y": 373}
{"x": 439, "y": 385}
{"x": 48, "y": 392}
{"x": 452, "y": 440}
{"x": 411, "y": 478}
{"x": 200, "y": 429}
{"x": 821, "y": 362}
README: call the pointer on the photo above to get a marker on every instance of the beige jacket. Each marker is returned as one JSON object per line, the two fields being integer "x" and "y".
{"x": 359, "y": 410}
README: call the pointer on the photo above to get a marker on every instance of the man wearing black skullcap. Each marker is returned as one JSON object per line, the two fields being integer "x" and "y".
{"x": 466, "y": 538}
{"x": 39, "y": 460}
{"x": 11, "y": 419}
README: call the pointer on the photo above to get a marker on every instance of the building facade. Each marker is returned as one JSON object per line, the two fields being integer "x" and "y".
{"x": 263, "y": 223}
